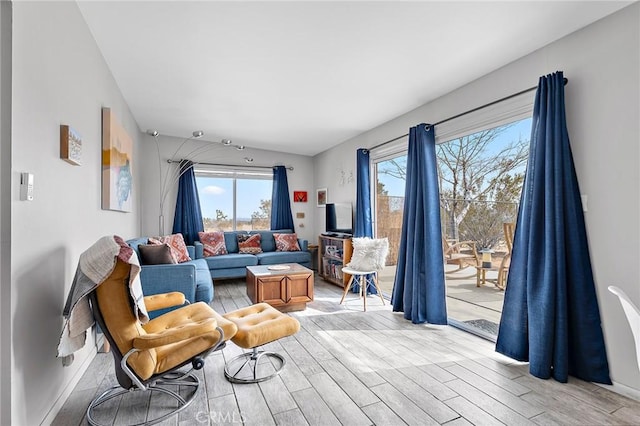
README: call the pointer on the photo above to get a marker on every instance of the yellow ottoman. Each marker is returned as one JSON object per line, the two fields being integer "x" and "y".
{"x": 257, "y": 325}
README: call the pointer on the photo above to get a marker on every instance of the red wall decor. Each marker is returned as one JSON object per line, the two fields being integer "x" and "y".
{"x": 299, "y": 196}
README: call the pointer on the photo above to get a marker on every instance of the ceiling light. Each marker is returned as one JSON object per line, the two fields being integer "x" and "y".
{"x": 248, "y": 160}
{"x": 153, "y": 133}
{"x": 226, "y": 142}
{"x": 240, "y": 147}
{"x": 198, "y": 133}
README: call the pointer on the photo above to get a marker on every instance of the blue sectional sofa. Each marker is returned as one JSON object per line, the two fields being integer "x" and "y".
{"x": 191, "y": 278}
{"x": 234, "y": 264}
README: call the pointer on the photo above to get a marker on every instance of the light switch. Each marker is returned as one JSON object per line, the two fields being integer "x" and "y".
{"x": 583, "y": 197}
{"x": 26, "y": 186}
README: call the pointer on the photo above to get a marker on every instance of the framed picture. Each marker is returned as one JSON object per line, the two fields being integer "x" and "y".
{"x": 70, "y": 145}
{"x": 117, "y": 156}
{"x": 299, "y": 196}
{"x": 321, "y": 197}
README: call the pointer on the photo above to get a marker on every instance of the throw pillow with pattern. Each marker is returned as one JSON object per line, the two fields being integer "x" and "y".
{"x": 286, "y": 242}
{"x": 213, "y": 243}
{"x": 249, "y": 243}
{"x": 176, "y": 242}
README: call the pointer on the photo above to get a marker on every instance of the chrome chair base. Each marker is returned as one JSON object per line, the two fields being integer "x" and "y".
{"x": 251, "y": 360}
{"x": 187, "y": 379}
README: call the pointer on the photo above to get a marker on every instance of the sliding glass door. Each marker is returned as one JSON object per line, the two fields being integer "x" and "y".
{"x": 480, "y": 180}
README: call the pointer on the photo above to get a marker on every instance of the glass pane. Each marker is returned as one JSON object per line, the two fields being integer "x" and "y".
{"x": 253, "y": 204}
{"x": 481, "y": 177}
{"x": 216, "y": 202}
{"x": 390, "y": 184}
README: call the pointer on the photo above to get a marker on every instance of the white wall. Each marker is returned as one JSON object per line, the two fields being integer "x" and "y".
{"x": 5, "y": 212}
{"x": 299, "y": 179}
{"x": 59, "y": 77}
{"x": 602, "y": 102}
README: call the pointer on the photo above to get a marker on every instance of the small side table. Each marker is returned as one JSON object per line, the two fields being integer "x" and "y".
{"x": 481, "y": 276}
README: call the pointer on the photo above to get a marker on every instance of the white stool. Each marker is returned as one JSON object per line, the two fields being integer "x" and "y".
{"x": 361, "y": 277}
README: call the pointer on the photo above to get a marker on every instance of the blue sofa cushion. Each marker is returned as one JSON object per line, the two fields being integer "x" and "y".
{"x": 204, "y": 287}
{"x": 135, "y": 243}
{"x": 275, "y": 257}
{"x": 232, "y": 260}
{"x": 231, "y": 242}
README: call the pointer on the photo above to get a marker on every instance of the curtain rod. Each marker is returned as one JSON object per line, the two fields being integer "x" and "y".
{"x": 195, "y": 163}
{"x": 522, "y": 92}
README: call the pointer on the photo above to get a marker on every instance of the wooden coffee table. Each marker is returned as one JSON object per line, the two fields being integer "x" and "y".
{"x": 286, "y": 287}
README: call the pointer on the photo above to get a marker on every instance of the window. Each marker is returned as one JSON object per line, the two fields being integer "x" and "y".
{"x": 235, "y": 199}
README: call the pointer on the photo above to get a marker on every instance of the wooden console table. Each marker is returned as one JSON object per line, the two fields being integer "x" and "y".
{"x": 286, "y": 289}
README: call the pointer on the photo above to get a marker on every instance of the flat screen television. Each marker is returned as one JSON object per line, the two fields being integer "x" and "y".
{"x": 339, "y": 218}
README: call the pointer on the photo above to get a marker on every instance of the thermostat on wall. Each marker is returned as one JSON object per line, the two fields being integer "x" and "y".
{"x": 26, "y": 186}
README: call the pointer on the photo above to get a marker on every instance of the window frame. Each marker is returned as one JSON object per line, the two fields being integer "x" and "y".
{"x": 234, "y": 173}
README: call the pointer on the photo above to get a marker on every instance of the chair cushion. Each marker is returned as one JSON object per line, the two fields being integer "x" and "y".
{"x": 260, "y": 324}
{"x": 196, "y": 313}
{"x": 172, "y": 355}
{"x": 369, "y": 254}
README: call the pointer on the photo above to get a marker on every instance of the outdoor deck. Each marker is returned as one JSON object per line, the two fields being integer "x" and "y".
{"x": 477, "y": 306}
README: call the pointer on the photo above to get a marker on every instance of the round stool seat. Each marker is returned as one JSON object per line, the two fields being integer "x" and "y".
{"x": 257, "y": 325}
{"x": 352, "y": 271}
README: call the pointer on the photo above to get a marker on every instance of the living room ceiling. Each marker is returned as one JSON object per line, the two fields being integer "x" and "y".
{"x": 301, "y": 77}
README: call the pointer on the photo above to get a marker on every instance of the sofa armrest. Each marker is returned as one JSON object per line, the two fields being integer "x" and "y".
{"x": 157, "y": 279}
{"x": 199, "y": 247}
{"x": 192, "y": 252}
{"x": 304, "y": 244}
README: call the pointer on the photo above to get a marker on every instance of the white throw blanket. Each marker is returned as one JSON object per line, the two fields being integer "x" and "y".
{"x": 94, "y": 267}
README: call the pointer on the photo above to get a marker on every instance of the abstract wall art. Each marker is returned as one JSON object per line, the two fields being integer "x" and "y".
{"x": 117, "y": 156}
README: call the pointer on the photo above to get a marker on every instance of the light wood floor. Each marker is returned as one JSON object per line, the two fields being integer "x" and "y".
{"x": 348, "y": 367}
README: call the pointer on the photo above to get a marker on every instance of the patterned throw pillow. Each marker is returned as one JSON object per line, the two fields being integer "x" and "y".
{"x": 213, "y": 243}
{"x": 249, "y": 243}
{"x": 286, "y": 242}
{"x": 176, "y": 242}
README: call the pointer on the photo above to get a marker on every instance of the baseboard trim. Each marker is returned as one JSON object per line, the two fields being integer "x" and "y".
{"x": 622, "y": 390}
{"x": 57, "y": 406}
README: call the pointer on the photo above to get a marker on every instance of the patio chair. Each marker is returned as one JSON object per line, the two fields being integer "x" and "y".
{"x": 503, "y": 270}
{"x": 461, "y": 253}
